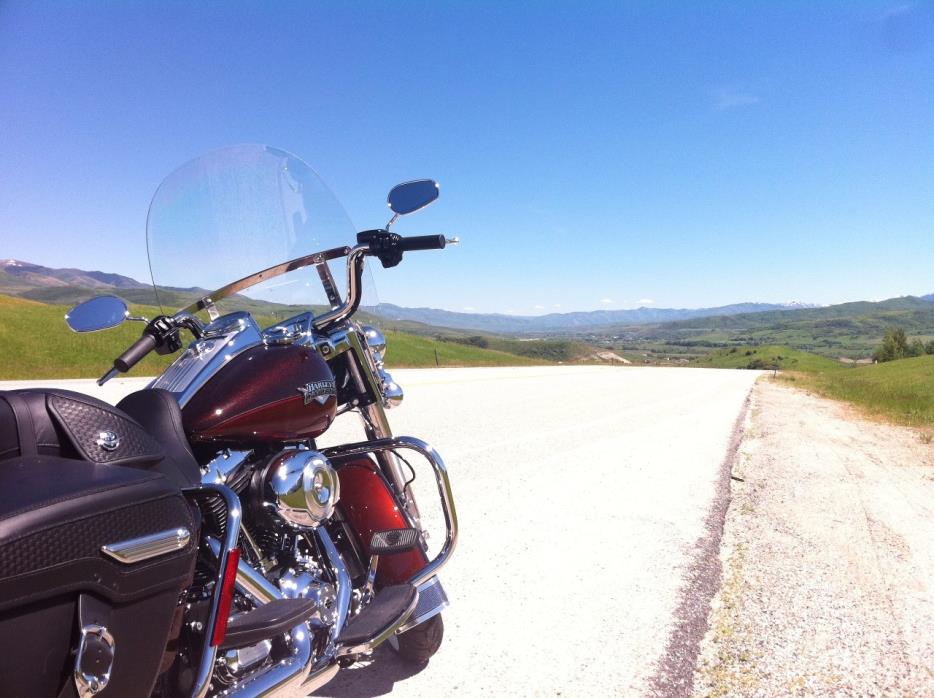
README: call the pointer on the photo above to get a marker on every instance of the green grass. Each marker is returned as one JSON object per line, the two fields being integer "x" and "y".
{"x": 901, "y": 391}
{"x": 780, "y": 357}
{"x": 411, "y": 351}
{"x": 35, "y": 343}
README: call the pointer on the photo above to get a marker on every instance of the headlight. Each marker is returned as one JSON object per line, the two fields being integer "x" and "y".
{"x": 376, "y": 343}
{"x": 302, "y": 488}
{"x": 392, "y": 393}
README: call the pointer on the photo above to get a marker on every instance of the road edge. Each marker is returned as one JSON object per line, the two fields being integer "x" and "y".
{"x": 674, "y": 675}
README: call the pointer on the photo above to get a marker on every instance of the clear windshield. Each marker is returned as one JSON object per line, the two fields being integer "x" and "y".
{"x": 236, "y": 211}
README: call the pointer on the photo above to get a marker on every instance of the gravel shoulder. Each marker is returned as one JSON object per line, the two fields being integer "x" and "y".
{"x": 827, "y": 557}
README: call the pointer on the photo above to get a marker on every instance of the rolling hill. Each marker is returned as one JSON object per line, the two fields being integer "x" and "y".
{"x": 849, "y": 330}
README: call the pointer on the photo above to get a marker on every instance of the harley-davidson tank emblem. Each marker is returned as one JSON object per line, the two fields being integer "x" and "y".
{"x": 319, "y": 391}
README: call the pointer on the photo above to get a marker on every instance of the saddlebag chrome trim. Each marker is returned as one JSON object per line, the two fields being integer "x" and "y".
{"x": 146, "y": 547}
{"x": 444, "y": 491}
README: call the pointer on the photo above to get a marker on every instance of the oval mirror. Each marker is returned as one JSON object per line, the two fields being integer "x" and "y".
{"x": 98, "y": 313}
{"x": 409, "y": 197}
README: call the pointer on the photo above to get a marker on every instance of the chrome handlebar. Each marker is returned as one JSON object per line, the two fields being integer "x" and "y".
{"x": 352, "y": 299}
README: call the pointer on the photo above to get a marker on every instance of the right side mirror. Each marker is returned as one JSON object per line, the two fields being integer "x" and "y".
{"x": 409, "y": 197}
{"x": 99, "y": 313}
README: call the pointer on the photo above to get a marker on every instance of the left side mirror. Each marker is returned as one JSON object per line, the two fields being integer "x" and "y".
{"x": 409, "y": 197}
{"x": 99, "y": 313}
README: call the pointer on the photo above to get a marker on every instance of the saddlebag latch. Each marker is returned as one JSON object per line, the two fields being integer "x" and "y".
{"x": 96, "y": 647}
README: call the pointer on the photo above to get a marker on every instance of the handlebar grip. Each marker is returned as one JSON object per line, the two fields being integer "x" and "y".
{"x": 135, "y": 353}
{"x": 422, "y": 242}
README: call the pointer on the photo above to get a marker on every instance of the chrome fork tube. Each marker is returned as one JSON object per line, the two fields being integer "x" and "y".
{"x": 375, "y": 422}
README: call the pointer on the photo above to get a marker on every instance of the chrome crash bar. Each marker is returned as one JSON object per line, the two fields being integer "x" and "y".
{"x": 441, "y": 478}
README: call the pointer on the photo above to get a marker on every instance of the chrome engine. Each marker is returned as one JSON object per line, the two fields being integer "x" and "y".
{"x": 286, "y": 553}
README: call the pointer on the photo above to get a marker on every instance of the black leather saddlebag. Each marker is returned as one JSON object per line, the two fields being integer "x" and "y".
{"x": 70, "y": 555}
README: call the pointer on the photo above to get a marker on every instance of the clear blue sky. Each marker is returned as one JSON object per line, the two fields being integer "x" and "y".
{"x": 591, "y": 155}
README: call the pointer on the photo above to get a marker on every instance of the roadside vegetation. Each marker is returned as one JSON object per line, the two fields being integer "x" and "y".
{"x": 901, "y": 390}
{"x": 896, "y": 345}
{"x": 768, "y": 358}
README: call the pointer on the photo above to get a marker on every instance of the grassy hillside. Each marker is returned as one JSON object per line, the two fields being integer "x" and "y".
{"x": 850, "y": 329}
{"x": 36, "y": 343}
{"x": 411, "y": 351}
{"x": 902, "y": 391}
{"x": 768, "y": 357}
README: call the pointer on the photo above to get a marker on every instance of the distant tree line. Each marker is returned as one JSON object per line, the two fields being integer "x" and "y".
{"x": 896, "y": 345}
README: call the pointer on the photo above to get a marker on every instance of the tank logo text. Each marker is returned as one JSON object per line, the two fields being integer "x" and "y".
{"x": 319, "y": 391}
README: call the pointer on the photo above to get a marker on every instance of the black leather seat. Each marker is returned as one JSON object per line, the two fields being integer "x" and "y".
{"x": 159, "y": 414}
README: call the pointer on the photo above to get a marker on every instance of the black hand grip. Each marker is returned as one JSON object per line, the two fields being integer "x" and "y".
{"x": 422, "y": 242}
{"x": 135, "y": 353}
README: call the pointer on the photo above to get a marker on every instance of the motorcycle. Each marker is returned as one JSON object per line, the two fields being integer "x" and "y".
{"x": 196, "y": 539}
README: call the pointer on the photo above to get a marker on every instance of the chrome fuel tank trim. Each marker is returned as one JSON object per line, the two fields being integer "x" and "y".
{"x": 147, "y": 547}
{"x": 223, "y": 340}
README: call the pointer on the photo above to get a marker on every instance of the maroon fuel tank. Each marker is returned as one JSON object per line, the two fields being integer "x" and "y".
{"x": 266, "y": 393}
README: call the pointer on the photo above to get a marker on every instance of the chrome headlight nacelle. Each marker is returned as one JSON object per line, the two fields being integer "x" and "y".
{"x": 302, "y": 488}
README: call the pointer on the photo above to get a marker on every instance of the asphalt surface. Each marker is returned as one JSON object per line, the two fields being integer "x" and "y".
{"x": 586, "y": 497}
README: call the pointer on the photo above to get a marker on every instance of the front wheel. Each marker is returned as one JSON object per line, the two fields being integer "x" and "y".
{"x": 419, "y": 644}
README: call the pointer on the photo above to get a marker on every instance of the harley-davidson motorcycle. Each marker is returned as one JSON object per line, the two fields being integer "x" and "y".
{"x": 197, "y": 539}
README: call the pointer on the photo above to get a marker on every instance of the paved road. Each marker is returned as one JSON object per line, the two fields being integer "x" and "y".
{"x": 582, "y": 493}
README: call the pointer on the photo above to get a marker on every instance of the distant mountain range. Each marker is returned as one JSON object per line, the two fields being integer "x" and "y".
{"x": 64, "y": 286}
{"x": 564, "y": 322}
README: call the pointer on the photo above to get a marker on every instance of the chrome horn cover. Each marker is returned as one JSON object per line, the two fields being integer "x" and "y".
{"x": 302, "y": 488}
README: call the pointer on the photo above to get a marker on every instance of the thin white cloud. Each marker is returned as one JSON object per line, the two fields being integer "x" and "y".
{"x": 556, "y": 305}
{"x": 645, "y": 301}
{"x": 468, "y": 309}
{"x": 725, "y": 98}
{"x": 606, "y": 301}
{"x": 538, "y": 307}
{"x": 898, "y": 10}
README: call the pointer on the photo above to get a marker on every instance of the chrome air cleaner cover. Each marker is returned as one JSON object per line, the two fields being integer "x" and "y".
{"x": 302, "y": 488}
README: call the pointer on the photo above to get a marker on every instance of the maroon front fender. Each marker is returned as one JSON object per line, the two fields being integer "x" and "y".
{"x": 370, "y": 506}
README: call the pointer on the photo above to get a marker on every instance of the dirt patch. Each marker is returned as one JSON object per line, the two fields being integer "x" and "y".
{"x": 828, "y": 582}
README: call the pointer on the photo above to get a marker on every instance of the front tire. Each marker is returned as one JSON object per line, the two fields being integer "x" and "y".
{"x": 419, "y": 644}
